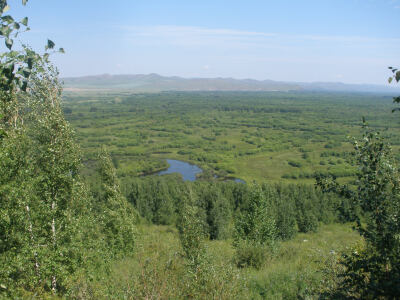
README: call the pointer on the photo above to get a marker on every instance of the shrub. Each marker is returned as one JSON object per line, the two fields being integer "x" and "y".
{"x": 251, "y": 254}
{"x": 307, "y": 222}
{"x": 373, "y": 272}
{"x": 255, "y": 230}
{"x": 295, "y": 164}
{"x": 191, "y": 232}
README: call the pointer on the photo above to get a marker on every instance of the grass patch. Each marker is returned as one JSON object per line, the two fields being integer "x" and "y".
{"x": 301, "y": 267}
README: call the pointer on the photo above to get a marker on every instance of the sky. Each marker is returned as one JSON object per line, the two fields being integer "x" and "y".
{"x": 350, "y": 41}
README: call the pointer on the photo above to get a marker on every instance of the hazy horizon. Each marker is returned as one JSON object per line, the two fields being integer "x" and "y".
{"x": 348, "y": 41}
{"x": 233, "y": 78}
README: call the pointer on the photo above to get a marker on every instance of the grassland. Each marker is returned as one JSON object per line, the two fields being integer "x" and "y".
{"x": 303, "y": 268}
{"x": 263, "y": 136}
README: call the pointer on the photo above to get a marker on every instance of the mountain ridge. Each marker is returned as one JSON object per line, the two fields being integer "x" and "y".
{"x": 157, "y": 83}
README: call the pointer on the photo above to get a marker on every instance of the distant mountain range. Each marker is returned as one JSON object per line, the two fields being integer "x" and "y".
{"x": 158, "y": 83}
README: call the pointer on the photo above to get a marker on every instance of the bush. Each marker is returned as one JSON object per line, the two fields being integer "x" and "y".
{"x": 255, "y": 230}
{"x": 373, "y": 272}
{"x": 251, "y": 254}
{"x": 307, "y": 222}
{"x": 285, "y": 221}
{"x": 295, "y": 164}
{"x": 191, "y": 232}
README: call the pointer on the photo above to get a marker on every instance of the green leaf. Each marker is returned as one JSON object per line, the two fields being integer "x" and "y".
{"x": 398, "y": 76}
{"x": 24, "y": 85}
{"x": 7, "y": 19}
{"x": 24, "y": 21}
{"x": 24, "y": 2}
{"x": 26, "y": 72}
{"x": 5, "y": 31}
{"x": 50, "y": 44}
{"x": 61, "y": 50}
{"x": 16, "y": 25}
{"x": 29, "y": 62}
{"x": 390, "y": 79}
{"x": 9, "y": 43}
{"x": 6, "y": 8}
{"x": 3, "y": 134}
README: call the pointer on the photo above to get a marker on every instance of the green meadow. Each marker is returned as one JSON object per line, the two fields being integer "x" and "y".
{"x": 262, "y": 136}
{"x": 304, "y": 267}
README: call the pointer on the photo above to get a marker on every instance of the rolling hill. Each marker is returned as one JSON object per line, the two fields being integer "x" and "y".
{"x": 157, "y": 83}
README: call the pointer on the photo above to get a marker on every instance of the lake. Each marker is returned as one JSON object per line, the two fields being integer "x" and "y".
{"x": 187, "y": 170}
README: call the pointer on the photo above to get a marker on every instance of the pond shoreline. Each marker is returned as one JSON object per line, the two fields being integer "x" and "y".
{"x": 188, "y": 170}
{"x": 153, "y": 172}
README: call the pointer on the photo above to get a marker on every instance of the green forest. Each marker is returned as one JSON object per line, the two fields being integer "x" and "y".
{"x": 84, "y": 214}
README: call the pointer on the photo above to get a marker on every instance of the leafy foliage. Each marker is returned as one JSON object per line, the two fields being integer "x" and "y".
{"x": 256, "y": 223}
{"x": 40, "y": 189}
{"x": 373, "y": 272}
{"x": 48, "y": 228}
{"x": 255, "y": 231}
{"x": 396, "y": 78}
{"x": 191, "y": 231}
{"x": 117, "y": 216}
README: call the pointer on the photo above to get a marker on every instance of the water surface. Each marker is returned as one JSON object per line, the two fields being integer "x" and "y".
{"x": 238, "y": 180}
{"x": 188, "y": 171}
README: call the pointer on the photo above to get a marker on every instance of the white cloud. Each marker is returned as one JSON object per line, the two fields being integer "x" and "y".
{"x": 190, "y": 36}
{"x": 171, "y": 30}
{"x": 191, "y": 51}
{"x": 197, "y": 36}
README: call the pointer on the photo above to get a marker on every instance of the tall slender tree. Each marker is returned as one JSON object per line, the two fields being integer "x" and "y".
{"x": 118, "y": 217}
{"x": 43, "y": 203}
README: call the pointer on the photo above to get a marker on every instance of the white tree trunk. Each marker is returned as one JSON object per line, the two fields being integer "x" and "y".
{"x": 30, "y": 229}
{"x": 53, "y": 230}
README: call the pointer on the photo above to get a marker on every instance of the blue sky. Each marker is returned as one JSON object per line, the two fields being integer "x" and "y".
{"x": 352, "y": 41}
